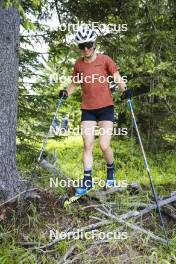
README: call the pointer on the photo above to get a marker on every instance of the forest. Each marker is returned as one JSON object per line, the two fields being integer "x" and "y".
{"x": 41, "y": 162}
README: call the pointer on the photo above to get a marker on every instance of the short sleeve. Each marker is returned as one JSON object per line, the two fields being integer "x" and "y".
{"x": 112, "y": 67}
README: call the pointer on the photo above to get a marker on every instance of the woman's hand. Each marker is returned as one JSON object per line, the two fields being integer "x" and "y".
{"x": 63, "y": 94}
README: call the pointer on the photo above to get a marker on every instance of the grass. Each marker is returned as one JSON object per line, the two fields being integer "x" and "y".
{"x": 32, "y": 223}
{"x": 128, "y": 160}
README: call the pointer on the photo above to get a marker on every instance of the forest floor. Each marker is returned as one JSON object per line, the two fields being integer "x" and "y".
{"x": 27, "y": 224}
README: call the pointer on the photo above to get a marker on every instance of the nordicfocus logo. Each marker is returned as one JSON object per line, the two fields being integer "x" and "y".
{"x": 100, "y": 28}
{"x": 56, "y": 182}
{"x": 91, "y": 235}
{"x": 94, "y": 130}
{"x": 93, "y": 78}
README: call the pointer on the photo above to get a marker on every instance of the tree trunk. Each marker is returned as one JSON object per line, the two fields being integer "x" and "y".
{"x": 9, "y": 66}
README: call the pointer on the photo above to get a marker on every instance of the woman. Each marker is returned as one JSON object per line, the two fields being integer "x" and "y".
{"x": 97, "y": 104}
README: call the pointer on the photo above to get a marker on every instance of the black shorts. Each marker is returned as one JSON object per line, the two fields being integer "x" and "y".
{"x": 100, "y": 114}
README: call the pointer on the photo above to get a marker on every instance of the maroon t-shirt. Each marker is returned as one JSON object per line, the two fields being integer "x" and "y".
{"x": 94, "y": 82}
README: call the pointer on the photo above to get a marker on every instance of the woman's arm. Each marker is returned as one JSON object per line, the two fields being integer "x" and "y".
{"x": 71, "y": 88}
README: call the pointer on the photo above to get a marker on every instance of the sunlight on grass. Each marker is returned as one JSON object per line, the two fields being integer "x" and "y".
{"x": 128, "y": 161}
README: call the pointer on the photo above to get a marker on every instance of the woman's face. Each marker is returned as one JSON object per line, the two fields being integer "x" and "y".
{"x": 87, "y": 52}
{"x": 87, "y": 49}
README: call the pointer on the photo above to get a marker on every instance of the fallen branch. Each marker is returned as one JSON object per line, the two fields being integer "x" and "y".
{"x": 118, "y": 205}
{"x": 150, "y": 207}
{"x": 132, "y": 226}
{"x": 72, "y": 233}
{"x": 89, "y": 250}
{"x": 67, "y": 254}
{"x": 78, "y": 256}
{"x": 90, "y": 206}
{"x": 170, "y": 211}
{"x": 27, "y": 244}
{"x": 96, "y": 218}
{"x": 101, "y": 195}
{"x": 120, "y": 220}
{"x": 23, "y": 193}
{"x": 147, "y": 209}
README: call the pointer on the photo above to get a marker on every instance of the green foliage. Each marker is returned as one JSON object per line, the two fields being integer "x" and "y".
{"x": 129, "y": 166}
{"x": 145, "y": 53}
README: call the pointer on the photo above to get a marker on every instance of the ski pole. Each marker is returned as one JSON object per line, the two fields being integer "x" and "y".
{"x": 47, "y": 135}
{"x": 148, "y": 171}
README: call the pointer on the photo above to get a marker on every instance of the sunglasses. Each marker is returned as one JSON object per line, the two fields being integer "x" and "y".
{"x": 88, "y": 45}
